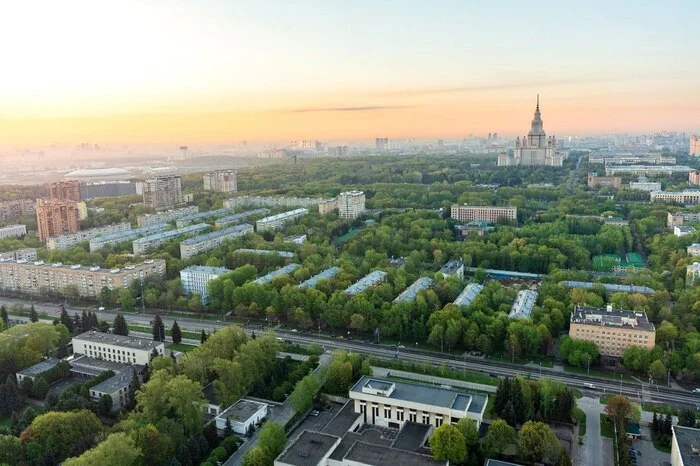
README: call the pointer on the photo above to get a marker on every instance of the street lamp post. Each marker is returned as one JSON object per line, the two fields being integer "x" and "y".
{"x": 588, "y": 367}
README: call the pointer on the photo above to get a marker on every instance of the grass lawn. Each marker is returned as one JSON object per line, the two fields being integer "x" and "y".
{"x": 577, "y": 393}
{"x": 180, "y": 347}
{"x": 5, "y": 422}
{"x": 605, "y": 398}
{"x": 546, "y": 362}
{"x": 661, "y": 447}
{"x": 439, "y": 371}
{"x": 185, "y": 334}
{"x": 606, "y": 427}
{"x": 580, "y": 416}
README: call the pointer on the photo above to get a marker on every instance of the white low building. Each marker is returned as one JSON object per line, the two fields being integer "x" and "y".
{"x": 694, "y": 250}
{"x": 242, "y": 415}
{"x": 683, "y": 230}
{"x": 116, "y": 387}
{"x": 13, "y": 231}
{"x": 275, "y": 222}
{"x": 195, "y": 278}
{"x": 116, "y": 348}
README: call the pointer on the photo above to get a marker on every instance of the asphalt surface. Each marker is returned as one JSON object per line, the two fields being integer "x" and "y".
{"x": 591, "y": 451}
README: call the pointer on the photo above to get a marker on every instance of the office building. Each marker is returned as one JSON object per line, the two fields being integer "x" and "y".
{"x": 411, "y": 293}
{"x": 468, "y": 294}
{"x": 613, "y": 330}
{"x": 694, "y": 146}
{"x": 688, "y": 197}
{"x": 535, "y": 148}
{"x": 351, "y": 204}
{"x": 454, "y": 268}
{"x": 273, "y": 201}
{"x": 25, "y": 254}
{"x": 17, "y": 208}
{"x": 100, "y": 189}
{"x": 679, "y": 218}
{"x": 116, "y": 387}
{"x": 238, "y": 218}
{"x": 694, "y": 250}
{"x": 64, "y": 190}
{"x": 685, "y": 443}
{"x": 195, "y": 278}
{"x": 13, "y": 231}
{"x": 113, "y": 239}
{"x": 382, "y": 144}
{"x": 286, "y": 270}
{"x": 242, "y": 416}
{"x": 325, "y": 275}
{"x": 646, "y": 170}
{"x": 275, "y": 222}
{"x": 490, "y": 214}
{"x": 166, "y": 216}
{"x": 222, "y": 181}
{"x": 327, "y": 206}
{"x": 656, "y": 158}
{"x": 116, "y": 348}
{"x": 148, "y": 243}
{"x": 56, "y": 218}
{"x": 523, "y": 305}
{"x": 368, "y": 281}
{"x": 692, "y": 273}
{"x": 683, "y": 230}
{"x": 201, "y": 216}
{"x": 389, "y": 403}
{"x": 162, "y": 192}
{"x": 193, "y": 246}
{"x": 73, "y": 239}
{"x": 643, "y": 184}
{"x": 595, "y": 181}
{"x": 266, "y": 252}
{"x": 38, "y": 278}
{"x": 32, "y": 372}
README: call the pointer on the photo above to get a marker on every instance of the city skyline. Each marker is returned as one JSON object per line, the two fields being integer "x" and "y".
{"x": 219, "y": 72}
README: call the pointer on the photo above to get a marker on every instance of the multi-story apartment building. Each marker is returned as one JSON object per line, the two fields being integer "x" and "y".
{"x": 694, "y": 177}
{"x": 16, "y": 209}
{"x": 685, "y": 443}
{"x": 116, "y": 348}
{"x": 201, "y": 216}
{"x": 278, "y": 221}
{"x": 351, "y": 204}
{"x": 195, "y": 278}
{"x": 613, "y": 330}
{"x": 166, "y": 216}
{"x": 679, "y": 218}
{"x": 273, "y": 201}
{"x": 13, "y": 231}
{"x": 453, "y": 268}
{"x": 116, "y": 387}
{"x": 39, "y": 278}
{"x": 26, "y": 254}
{"x": 683, "y": 230}
{"x": 693, "y": 250}
{"x": 72, "y": 239}
{"x": 237, "y": 218}
{"x": 382, "y": 144}
{"x": 327, "y": 206}
{"x": 692, "y": 273}
{"x": 112, "y": 239}
{"x": 286, "y": 270}
{"x": 632, "y": 159}
{"x": 389, "y": 403}
{"x": 687, "y": 197}
{"x": 147, "y": 243}
{"x": 490, "y": 214}
{"x": 99, "y": 189}
{"x": 368, "y": 281}
{"x": 411, "y": 293}
{"x": 64, "y": 190}
{"x": 56, "y": 218}
{"x": 162, "y": 192}
{"x": 645, "y": 170}
{"x": 523, "y": 305}
{"x": 595, "y": 181}
{"x": 223, "y": 181}
{"x": 643, "y": 184}
{"x": 193, "y": 246}
{"x": 694, "y": 146}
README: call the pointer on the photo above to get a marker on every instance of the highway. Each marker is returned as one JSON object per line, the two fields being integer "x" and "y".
{"x": 636, "y": 390}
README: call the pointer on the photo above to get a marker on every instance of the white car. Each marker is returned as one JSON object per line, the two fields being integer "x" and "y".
{"x": 696, "y": 390}
{"x": 101, "y": 308}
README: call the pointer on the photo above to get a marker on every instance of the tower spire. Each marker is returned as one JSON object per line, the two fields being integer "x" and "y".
{"x": 538, "y": 102}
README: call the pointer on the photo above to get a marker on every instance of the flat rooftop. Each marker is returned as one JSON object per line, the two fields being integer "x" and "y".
{"x": 115, "y": 383}
{"x": 241, "y": 411}
{"x": 451, "y": 267}
{"x": 688, "y": 440}
{"x": 219, "y": 233}
{"x": 37, "y": 369}
{"x": 118, "y": 340}
{"x": 206, "y": 269}
{"x": 172, "y": 233}
{"x": 609, "y": 287}
{"x": 468, "y": 294}
{"x": 610, "y": 317}
{"x": 366, "y": 282}
{"x": 410, "y": 293}
{"x": 287, "y": 269}
{"x": 308, "y": 449}
{"x": 412, "y": 436}
{"x": 366, "y": 453}
{"x": 325, "y": 275}
{"x": 240, "y": 216}
{"x": 285, "y": 254}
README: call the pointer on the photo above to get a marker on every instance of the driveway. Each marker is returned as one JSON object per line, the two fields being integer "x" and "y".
{"x": 592, "y": 451}
{"x": 649, "y": 455}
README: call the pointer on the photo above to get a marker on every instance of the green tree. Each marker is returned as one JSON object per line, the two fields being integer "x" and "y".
{"x": 302, "y": 398}
{"x": 120, "y": 326}
{"x": 105, "y": 404}
{"x": 3, "y": 315}
{"x": 657, "y": 370}
{"x": 116, "y": 450}
{"x": 500, "y": 439}
{"x": 33, "y": 316}
{"x": 620, "y": 410}
{"x": 126, "y": 299}
{"x": 10, "y": 449}
{"x": 256, "y": 456}
{"x": 40, "y": 388}
{"x": 10, "y": 400}
{"x": 175, "y": 333}
{"x": 537, "y": 441}
{"x": 272, "y": 440}
{"x": 686, "y": 417}
{"x": 158, "y": 329}
{"x": 63, "y": 434}
{"x": 447, "y": 443}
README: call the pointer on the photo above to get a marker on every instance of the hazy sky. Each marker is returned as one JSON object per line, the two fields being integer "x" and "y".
{"x": 220, "y": 71}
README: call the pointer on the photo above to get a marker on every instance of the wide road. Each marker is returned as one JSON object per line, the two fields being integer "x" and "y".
{"x": 635, "y": 390}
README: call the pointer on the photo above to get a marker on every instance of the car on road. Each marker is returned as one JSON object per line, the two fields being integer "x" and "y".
{"x": 696, "y": 390}
{"x": 294, "y": 330}
{"x": 589, "y": 385}
{"x": 101, "y": 308}
{"x": 314, "y": 413}
{"x": 402, "y": 347}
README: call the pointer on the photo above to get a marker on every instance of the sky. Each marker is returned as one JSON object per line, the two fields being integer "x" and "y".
{"x": 220, "y": 71}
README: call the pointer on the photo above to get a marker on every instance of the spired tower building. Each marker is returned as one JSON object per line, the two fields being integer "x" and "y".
{"x": 535, "y": 148}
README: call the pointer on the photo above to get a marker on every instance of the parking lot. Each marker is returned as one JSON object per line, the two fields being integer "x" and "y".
{"x": 648, "y": 455}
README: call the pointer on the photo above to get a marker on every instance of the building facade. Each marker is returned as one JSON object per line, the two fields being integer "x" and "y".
{"x": 490, "y": 214}
{"x": 73, "y": 239}
{"x": 692, "y": 273}
{"x": 166, "y": 216}
{"x": 100, "y": 189}
{"x": 36, "y": 278}
{"x": 685, "y": 444}
{"x": 694, "y": 146}
{"x": 25, "y": 254}
{"x": 147, "y": 243}
{"x": 613, "y": 330}
{"x": 242, "y": 415}
{"x": 223, "y": 181}
{"x": 694, "y": 177}
{"x": 351, "y": 204}
{"x": 193, "y": 246}
{"x": 595, "y": 181}
{"x": 689, "y": 197}
{"x": 64, "y": 190}
{"x": 273, "y": 201}
{"x": 56, "y": 218}
{"x": 13, "y": 231}
{"x": 535, "y": 148}
{"x": 162, "y": 192}
{"x": 116, "y": 348}
{"x": 112, "y": 239}
{"x": 275, "y": 222}
{"x": 683, "y": 230}
{"x": 16, "y": 209}
{"x": 693, "y": 250}
{"x": 195, "y": 278}
{"x": 645, "y": 185}
{"x": 327, "y": 206}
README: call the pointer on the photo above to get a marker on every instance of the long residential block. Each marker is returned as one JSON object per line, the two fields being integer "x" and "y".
{"x": 72, "y": 239}
{"x": 40, "y": 278}
{"x": 166, "y": 216}
{"x": 286, "y": 270}
{"x": 127, "y": 235}
{"x": 195, "y": 278}
{"x": 683, "y": 197}
{"x": 468, "y": 294}
{"x": 193, "y": 246}
{"x": 237, "y": 218}
{"x": 266, "y": 252}
{"x": 275, "y": 222}
{"x": 200, "y": 217}
{"x": 410, "y": 293}
{"x": 150, "y": 242}
{"x": 13, "y": 231}
{"x": 523, "y": 305}
{"x": 325, "y": 275}
{"x": 273, "y": 201}
{"x": 490, "y": 214}
{"x": 366, "y": 282}
{"x": 25, "y": 254}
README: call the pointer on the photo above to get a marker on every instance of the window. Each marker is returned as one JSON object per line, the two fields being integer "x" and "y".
{"x": 387, "y": 412}
{"x": 375, "y": 409}
{"x": 426, "y": 418}
{"x": 412, "y": 416}
{"x": 438, "y": 421}
{"x": 399, "y": 414}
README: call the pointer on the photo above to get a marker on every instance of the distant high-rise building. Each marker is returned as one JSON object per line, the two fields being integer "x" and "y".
{"x": 382, "y": 144}
{"x": 65, "y": 190}
{"x": 162, "y": 192}
{"x": 351, "y": 204}
{"x": 223, "y": 181}
{"x": 55, "y": 218}
{"x": 535, "y": 148}
{"x": 338, "y": 151}
{"x": 694, "y": 146}
{"x": 16, "y": 208}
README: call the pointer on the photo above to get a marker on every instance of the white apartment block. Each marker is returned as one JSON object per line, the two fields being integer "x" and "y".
{"x": 166, "y": 216}
{"x": 223, "y": 181}
{"x": 113, "y": 239}
{"x": 150, "y": 242}
{"x": 195, "y": 278}
{"x": 490, "y": 214}
{"x": 647, "y": 186}
{"x": 327, "y": 206}
{"x": 40, "y": 278}
{"x": 73, "y": 239}
{"x": 13, "y": 231}
{"x": 692, "y": 273}
{"x": 278, "y": 221}
{"x": 116, "y": 348}
{"x": 694, "y": 250}
{"x": 351, "y": 204}
{"x": 389, "y": 403}
{"x": 273, "y": 201}
{"x": 25, "y": 254}
{"x": 683, "y": 230}
{"x": 193, "y": 246}
{"x": 683, "y": 197}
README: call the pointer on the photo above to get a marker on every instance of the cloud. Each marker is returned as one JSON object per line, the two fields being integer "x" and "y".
{"x": 368, "y": 108}
{"x": 493, "y": 87}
